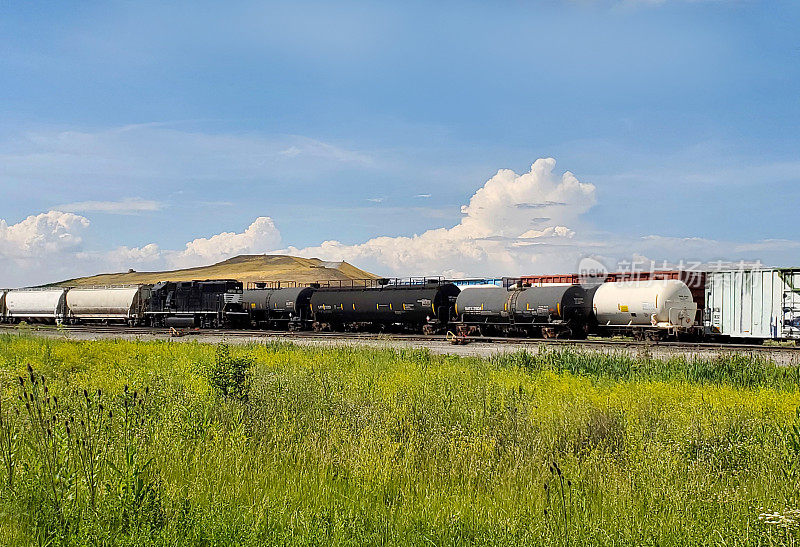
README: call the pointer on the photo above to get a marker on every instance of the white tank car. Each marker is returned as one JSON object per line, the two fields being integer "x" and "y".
{"x": 35, "y": 305}
{"x": 107, "y": 303}
{"x": 664, "y": 304}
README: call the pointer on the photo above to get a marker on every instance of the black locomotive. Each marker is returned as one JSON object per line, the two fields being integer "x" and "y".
{"x": 204, "y": 304}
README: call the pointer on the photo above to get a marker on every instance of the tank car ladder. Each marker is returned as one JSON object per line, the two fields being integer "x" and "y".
{"x": 511, "y": 304}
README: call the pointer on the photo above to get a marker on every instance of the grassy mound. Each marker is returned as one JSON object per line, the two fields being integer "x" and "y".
{"x": 242, "y": 268}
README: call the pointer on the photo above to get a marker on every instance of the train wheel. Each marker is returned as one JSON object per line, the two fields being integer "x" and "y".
{"x": 655, "y": 336}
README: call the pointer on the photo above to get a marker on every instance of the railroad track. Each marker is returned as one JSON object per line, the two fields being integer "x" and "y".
{"x": 345, "y": 336}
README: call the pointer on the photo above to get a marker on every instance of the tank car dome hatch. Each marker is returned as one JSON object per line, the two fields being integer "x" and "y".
{"x": 657, "y": 303}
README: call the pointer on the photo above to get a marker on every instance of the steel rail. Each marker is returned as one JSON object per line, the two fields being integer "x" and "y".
{"x": 381, "y": 337}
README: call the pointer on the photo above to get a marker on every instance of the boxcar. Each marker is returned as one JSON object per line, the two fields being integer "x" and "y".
{"x": 753, "y": 304}
{"x": 420, "y": 307}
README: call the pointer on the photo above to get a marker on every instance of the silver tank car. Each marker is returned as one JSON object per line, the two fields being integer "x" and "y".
{"x": 36, "y": 305}
{"x": 549, "y": 311}
{"x": 660, "y": 306}
{"x": 108, "y": 304}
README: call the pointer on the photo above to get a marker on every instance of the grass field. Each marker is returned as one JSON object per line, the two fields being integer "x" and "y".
{"x": 187, "y": 443}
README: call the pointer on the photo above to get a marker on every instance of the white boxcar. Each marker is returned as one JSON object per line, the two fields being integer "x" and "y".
{"x": 35, "y": 305}
{"x": 660, "y": 304}
{"x": 108, "y": 303}
{"x": 759, "y": 303}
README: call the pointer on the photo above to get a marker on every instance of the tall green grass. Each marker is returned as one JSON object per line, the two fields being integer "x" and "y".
{"x": 275, "y": 443}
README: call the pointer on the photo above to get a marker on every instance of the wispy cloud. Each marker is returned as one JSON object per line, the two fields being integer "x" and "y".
{"x": 376, "y": 200}
{"x": 127, "y": 206}
{"x": 216, "y": 203}
{"x": 151, "y": 154}
{"x": 422, "y": 196}
{"x": 312, "y": 148}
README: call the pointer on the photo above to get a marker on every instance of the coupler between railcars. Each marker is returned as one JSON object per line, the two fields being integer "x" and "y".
{"x": 433, "y": 327}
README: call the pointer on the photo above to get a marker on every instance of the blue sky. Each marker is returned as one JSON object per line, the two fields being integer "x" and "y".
{"x": 150, "y": 126}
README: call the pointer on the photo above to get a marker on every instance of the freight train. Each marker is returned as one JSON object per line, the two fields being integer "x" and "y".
{"x": 725, "y": 305}
{"x": 213, "y": 303}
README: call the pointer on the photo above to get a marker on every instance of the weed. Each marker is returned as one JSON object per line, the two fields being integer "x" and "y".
{"x": 279, "y": 444}
{"x": 230, "y": 376}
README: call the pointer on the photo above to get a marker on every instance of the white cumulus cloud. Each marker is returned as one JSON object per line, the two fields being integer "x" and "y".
{"x": 42, "y": 234}
{"x": 125, "y": 256}
{"x": 507, "y": 210}
{"x": 261, "y": 236}
{"x": 40, "y": 247}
